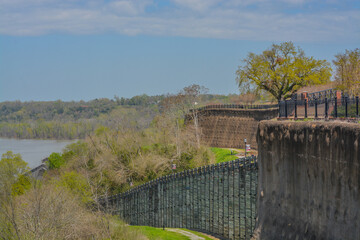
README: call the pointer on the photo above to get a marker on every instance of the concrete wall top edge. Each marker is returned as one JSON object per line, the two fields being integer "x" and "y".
{"x": 292, "y": 125}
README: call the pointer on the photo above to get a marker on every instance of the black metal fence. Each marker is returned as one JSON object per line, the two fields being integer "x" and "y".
{"x": 344, "y": 107}
{"x": 218, "y": 199}
{"x": 237, "y": 106}
{"x": 321, "y": 95}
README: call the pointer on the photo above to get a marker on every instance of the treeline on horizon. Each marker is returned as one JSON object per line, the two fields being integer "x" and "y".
{"x": 77, "y": 119}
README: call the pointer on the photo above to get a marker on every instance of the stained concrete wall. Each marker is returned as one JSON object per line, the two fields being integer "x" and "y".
{"x": 309, "y": 180}
{"x": 228, "y": 127}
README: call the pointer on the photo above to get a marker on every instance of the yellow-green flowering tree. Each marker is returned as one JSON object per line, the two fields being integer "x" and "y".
{"x": 281, "y": 70}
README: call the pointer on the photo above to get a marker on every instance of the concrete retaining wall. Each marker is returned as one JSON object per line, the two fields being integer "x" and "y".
{"x": 309, "y": 180}
{"x": 229, "y": 127}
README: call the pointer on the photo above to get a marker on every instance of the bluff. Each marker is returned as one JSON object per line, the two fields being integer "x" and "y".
{"x": 309, "y": 180}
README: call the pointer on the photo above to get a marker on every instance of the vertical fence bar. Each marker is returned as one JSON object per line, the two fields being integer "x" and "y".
{"x": 192, "y": 193}
{"x": 279, "y": 106}
{"x": 229, "y": 232}
{"x": 161, "y": 203}
{"x": 316, "y": 108}
{"x": 208, "y": 192}
{"x": 286, "y": 109}
{"x": 357, "y": 106}
{"x": 336, "y": 103}
{"x": 295, "y": 103}
{"x": 200, "y": 200}
{"x": 188, "y": 205}
{"x": 233, "y": 200}
{"x": 227, "y": 189}
{"x": 217, "y": 199}
{"x": 172, "y": 203}
{"x": 346, "y": 107}
{"x": 326, "y": 108}
{"x": 306, "y": 108}
{"x": 166, "y": 210}
{"x": 174, "y": 215}
{"x": 240, "y": 187}
{"x": 198, "y": 215}
{"x": 222, "y": 200}
{"x": 182, "y": 202}
{"x": 196, "y": 199}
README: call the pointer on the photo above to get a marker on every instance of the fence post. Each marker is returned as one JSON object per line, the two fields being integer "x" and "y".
{"x": 279, "y": 105}
{"x": 326, "y": 108}
{"x": 316, "y": 108}
{"x": 295, "y": 102}
{"x": 357, "y": 106}
{"x": 286, "y": 112}
{"x": 306, "y": 106}
{"x": 346, "y": 107}
{"x": 336, "y": 115}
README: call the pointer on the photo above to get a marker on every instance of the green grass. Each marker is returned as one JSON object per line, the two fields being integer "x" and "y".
{"x": 160, "y": 234}
{"x": 197, "y": 234}
{"x": 223, "y": 155}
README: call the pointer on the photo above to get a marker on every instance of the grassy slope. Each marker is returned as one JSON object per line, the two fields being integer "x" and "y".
{"x": 223, "y": 155}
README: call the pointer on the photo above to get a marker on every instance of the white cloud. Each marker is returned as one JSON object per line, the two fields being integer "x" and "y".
{"x": 127, "y": 7}
{"x": 196, "y": 18}
{"x": 197, "y": 5}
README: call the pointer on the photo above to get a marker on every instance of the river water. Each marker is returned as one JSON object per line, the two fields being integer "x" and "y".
{"x": 32, "y": 151}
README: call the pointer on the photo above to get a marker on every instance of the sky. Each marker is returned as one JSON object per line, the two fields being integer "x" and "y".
{"x": 87, "y": 49}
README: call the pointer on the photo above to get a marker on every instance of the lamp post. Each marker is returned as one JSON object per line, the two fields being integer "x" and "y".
{"x": 245, "y": 146}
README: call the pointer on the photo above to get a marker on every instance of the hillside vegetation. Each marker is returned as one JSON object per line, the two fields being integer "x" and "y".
{"x": 64, "y": 205}
{"x": 75, "y": 120}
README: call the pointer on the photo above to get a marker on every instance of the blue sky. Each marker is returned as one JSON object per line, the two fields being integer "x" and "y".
{"x": 77, "y": 49}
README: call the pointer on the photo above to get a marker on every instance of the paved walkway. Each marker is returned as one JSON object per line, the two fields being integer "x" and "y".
{"x": 189, "y": 234}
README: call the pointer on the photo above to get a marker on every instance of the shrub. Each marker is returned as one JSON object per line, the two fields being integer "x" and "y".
{"x": 55, "y": 160}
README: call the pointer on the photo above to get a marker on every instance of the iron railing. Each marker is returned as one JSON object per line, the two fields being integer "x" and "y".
{"x": 237, "y": 106}
{"x": 321, "y": 95}
{"x": 344, "y": 107}
{"x": 218, "y": 199}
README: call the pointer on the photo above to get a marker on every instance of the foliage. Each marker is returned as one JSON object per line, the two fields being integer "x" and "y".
{"x": 48, "y": 209}
{"x": 46, "y": 130}
{"x": 347, "y": 73}
{"x": 112, "y": 160}
{"x": 78, "y": 148}
{"x": 281, "y": 71}
{"x": 223, "y": 155}
{"x": 76, "y": 120}
{"x": 55, "y": 160}
{"x": 22, "y": 184}
{"x": 76, "y": 184}
{"x": 13, "y": 180}
{"x": 50, "y": 212}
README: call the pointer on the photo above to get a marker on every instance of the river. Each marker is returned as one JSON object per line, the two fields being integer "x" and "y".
{"x": 32, "y": 151}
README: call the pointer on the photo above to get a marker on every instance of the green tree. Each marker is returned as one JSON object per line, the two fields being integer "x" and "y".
{"x": 281, "y": 70}
{"x": 347, "y": 73}
{"x": 55, "y": 160}
{"x": 13, "y": 181}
